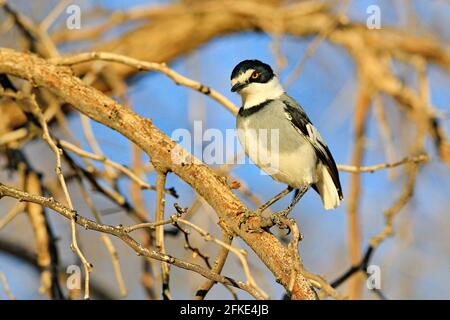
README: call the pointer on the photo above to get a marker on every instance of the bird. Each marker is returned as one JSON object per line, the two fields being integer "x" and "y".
{"x": 296, "y": 154}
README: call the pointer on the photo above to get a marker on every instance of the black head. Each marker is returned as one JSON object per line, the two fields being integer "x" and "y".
{"x": 249, "y": 71}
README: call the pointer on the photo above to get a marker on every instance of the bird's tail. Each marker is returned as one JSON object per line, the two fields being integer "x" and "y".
{"x": 327, "y": 189}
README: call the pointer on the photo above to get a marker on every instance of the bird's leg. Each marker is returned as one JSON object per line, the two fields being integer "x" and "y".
{"x": 257, "y": 212}
{"x": 275, "y": 199}
{"x": 279, "y": 218}
{"x": 294, "y": 201}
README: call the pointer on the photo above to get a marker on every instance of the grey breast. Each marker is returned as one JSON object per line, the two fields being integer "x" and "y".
{"x": 273, "y": 116}
{"x": 296, "y": 162}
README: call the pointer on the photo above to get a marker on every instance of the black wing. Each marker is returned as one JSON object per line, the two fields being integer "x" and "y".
{"x": 301, "y": 122}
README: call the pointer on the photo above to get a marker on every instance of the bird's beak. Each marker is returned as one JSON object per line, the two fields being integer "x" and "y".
{"x": 238, "y": 86}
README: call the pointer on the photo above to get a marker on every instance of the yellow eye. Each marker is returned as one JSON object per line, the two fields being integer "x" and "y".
{"x": 255, "y": 75}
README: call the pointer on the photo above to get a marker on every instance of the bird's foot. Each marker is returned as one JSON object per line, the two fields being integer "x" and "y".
{"x": 245, "y": 218}
{"x": 279, "y": 219}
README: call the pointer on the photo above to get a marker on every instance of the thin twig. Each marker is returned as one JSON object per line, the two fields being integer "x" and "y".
{"x": 149, "y": 225}
{"x": 386, "y": 135}
{"x": 11, "y": 214}
{"x": 293, "y": 248}
{"x": 314, "y": 45}
{"x": 204, "y": 288}
{"x": 93, "y": 144}
{"x": 406, "y": 160}
{"x": 126, "y": 171}
{"x": 111, "y": 194}
{"x": 8, "y": 191}
{"x": 6, "y": 287}
{"x": 241, "y": 254}
{"x": 148, "y": 265}
{"x": 58, "y": 152}
{"x": 36, "y": 215}
{"x": 148, "y": 66}
{"x": 47, "y": 22}
{"x": 159, "y": 238}
{"x": 390, "y": 213}
{"x": 106, "y": 240}
{"x": 188, "y": 245}
{"x": 354, "y": 235}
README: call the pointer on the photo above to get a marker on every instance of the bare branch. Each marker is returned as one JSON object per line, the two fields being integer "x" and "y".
{"x": 126, "y": 171}
{"x": 29, "y": 102}
{"x": 406, "y": 160}
{"x": 11, "y": 214}
{"x": 6, "y": 287}
{"x": 241, "y": 254}
{"x": 159, "y": 147}
{"x": 148, "y": 66}
{"x": 120, "y": 233}
{"x": 204, "y": 288}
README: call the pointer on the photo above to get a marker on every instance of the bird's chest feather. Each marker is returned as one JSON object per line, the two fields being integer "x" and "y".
{"x": 257, "y": 137}
{"x": 275, "y": 146}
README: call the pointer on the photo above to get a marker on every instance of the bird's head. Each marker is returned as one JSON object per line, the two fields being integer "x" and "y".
{"x": 255, "y": 82}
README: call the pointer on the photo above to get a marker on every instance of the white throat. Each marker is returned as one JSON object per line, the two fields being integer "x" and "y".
{"x": 256, "y": 93}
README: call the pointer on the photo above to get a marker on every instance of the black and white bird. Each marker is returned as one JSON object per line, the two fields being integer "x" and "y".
{"x": 303, "y": 159}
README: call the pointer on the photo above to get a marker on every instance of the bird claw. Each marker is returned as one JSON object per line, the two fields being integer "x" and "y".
{"x": 279, "y": 219}
{"x": 282, "y": 221}
{"x": 245, "y": 216}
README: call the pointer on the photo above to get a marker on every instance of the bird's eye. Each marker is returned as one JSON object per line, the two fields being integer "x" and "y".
{"x": 255, "y": 75}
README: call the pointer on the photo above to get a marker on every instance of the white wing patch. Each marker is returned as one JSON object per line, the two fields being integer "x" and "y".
{"x": 315, "y": 138}
{"x": 288, "y": 116}
{"x": 314, "y": 134}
